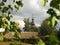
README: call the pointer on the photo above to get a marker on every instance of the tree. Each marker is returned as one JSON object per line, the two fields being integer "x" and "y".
{"x": 27, "y": 25}
{"x": 46, "y": 29}
{"x": 30, "y": 26}
{"x": 58, "y": 34}
{"x": 54, "y": 4}
{"x": 6, "y": 15}
{"x": 10, "y": 7}
{"x": 51, "y": 21}
{"x": 53, "y": 16}
{"x": 14, "y": 27}
{"x": 5, "y": 18}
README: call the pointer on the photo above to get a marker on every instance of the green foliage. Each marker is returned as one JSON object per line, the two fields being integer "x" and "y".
{"x": 46, "y": 29}
{"x": 19, "y": 3}
{"x": 5, "y": 18}
{"x": 58, "y": 34}
{"x": 55, "y": 4}
{"x": 30, "y": 26}
{"x": 44, "y": 2}
{"x": 41, "y": 42}
{"x": 2, "y": 4}
{"x": 14, "y": 43}
{"x": 58, "y": 17}
{"x": 5, "y": 9}
{"x": 17, "y": 35}
{"x": 51, "y": 22}
{"x": 51, "y": 12}
{"x": 4, "y": 21}
{"x": 14, "y": 26}
{"x": 27, "y": 23}
{"x": 53, "y": 17}
{"x": 17, "y": 8}
{"x": 8, "y": 25}
{"x": 53, "y": 40}
{"x": 4, "y": 0}
{"x": 1, "y": 38}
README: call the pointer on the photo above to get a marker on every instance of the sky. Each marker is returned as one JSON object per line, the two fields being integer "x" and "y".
{"x": 31, "y": 8}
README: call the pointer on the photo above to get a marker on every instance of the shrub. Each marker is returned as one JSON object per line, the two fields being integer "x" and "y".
{"x": 53, "y": 40}
{"x": 14, "y": 43}
{"x": 1, "y": 38}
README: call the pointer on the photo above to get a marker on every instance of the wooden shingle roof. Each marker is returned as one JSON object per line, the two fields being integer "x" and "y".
{"x": 29, "y": 35}
{"x": 24, "y": 35}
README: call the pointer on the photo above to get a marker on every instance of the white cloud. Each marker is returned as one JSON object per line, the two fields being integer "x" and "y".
{"x": 21, "y": 23}
{"x": 31, "y": 7}
{"x": 34, "y": 4}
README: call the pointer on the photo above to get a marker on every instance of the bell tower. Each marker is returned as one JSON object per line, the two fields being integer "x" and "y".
{"x": 32, "y": 22}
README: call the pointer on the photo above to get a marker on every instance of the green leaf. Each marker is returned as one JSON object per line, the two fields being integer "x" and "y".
{"x": 13, "y": 0}
{"x": 51, "y": 12}
{"x": 53, "y": 21}
{"x": 53, "y": 39}
{"x": 3, "y": 16}
{"x": 0, "y": 8}
{"x": 1, "y": 4}
{"x": 55, "y": 4}
{"x": 5, "y": 9}
{"x": 17, "y": 8}
{"x": 1, "y": 38}
{"x": 4, "y": 0}
{"x": 44, "y": 2}
{"x": 19, "y": 3}
{"x": 41, "y": 42}
{"x": 58, "y": 17}
{"x": 9, "y": 12}
{"x": 9, "y": 6}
